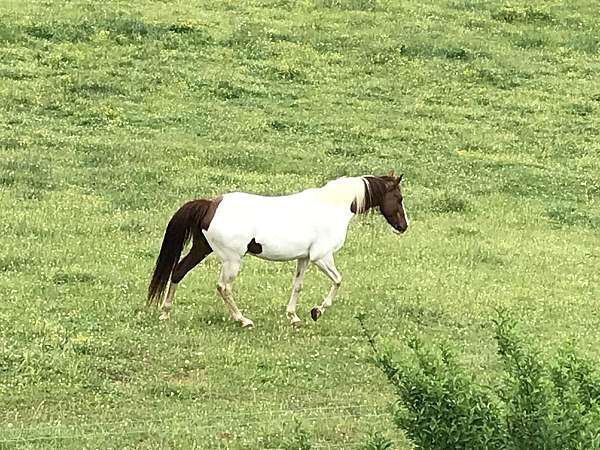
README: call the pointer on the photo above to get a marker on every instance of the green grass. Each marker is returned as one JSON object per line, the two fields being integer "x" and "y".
{"x": 114, "y": 113}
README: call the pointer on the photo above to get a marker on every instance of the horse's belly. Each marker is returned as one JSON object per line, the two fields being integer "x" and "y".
{"x": 280, "y": 248}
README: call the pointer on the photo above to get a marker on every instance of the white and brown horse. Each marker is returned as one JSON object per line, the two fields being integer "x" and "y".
{"x": 309, "y": 226}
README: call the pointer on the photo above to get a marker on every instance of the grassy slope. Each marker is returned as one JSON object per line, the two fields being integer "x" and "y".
{"x": 112, "y": 115}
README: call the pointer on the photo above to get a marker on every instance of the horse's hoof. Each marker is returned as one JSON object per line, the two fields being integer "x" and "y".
{"x": 164, "y": 316}
{"x": 297, "y": 323}
{"x": 315, "y": 313}
{"x": 246, "y": 323}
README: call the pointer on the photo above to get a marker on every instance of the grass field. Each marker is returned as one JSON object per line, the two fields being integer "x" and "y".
{"x": 113, "y": 113}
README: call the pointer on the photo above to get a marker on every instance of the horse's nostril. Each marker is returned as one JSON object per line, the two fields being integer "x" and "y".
{"x": 400, "y": 229}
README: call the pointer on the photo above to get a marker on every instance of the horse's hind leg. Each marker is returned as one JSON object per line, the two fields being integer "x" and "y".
{"x": 229, "y": 271}
{"x": 200, "y": 249}
{"x": 327, "y": 266}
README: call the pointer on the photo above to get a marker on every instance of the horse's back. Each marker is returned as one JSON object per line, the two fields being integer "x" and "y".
{"x": 258, "y": 210}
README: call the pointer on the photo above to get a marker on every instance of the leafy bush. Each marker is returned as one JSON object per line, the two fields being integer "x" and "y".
{"x": 537, "y": 404}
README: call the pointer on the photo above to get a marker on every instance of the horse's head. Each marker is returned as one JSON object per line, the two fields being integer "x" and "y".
{"x": 392, "y": 205}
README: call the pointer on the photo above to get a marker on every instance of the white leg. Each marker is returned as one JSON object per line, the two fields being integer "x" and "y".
{"x": 229, "y": 270}
{"x": 168, "y": 302}
{"x": 327, "y": 266}
{"x": 296, "y": 288}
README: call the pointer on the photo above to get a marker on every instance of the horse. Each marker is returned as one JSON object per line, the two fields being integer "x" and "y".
{"x": 307, "y": 226}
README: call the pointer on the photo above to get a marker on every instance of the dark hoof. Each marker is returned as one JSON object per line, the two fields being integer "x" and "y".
{"x": 315, "y": 313}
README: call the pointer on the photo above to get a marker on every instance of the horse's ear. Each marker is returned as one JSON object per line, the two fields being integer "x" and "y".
{"x": 400, "y": 177}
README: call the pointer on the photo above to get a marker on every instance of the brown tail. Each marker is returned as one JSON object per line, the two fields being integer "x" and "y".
{"x": 178, "y": 233}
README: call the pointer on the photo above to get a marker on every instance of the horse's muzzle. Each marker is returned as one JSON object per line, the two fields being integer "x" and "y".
{"x": 400, "y": 229}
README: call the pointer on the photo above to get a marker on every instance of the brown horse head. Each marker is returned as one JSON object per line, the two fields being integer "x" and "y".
{"x": 392, "y": 204}
{"x": 384, "y": 192}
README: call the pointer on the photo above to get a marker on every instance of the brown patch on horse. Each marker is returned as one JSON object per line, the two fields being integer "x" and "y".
{"x": 254, "y": 247}
{"x": 188, "y": 221}
{"x": 200, "y": 250}
{"x": 210, "y": 211}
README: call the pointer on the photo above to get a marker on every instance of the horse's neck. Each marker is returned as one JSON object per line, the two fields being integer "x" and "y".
{"x": 339, "y": 193}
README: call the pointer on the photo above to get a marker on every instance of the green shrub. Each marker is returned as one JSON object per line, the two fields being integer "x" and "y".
{"x": 536, "y": 405}
{"x": 548, "y": 405}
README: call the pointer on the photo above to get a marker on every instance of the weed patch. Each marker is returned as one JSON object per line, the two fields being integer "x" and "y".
{"x": 73, "y": 277}
{"x": 14, "y": 263}
{"x": 523, "y": 14}
{"x": 449, "y": 202}
{"x": 568, "y": 215}
{"x": 349, "y": 5}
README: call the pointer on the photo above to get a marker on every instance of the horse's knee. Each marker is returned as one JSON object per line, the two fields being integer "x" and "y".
{"x": 222, "y": 288}
{"x": 178, "y": 273}
{"x": 177, "y": 276}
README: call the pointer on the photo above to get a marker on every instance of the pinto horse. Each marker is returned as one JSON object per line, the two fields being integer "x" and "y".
{"x": 308, "y": 226}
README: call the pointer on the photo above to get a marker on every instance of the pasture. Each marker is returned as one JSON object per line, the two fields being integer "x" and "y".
{"x": 114, "y": 113}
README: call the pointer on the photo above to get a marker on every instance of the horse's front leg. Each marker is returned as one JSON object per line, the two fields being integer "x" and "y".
{"x": 327, "y": 266}
{"x": 296, "y": 288}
